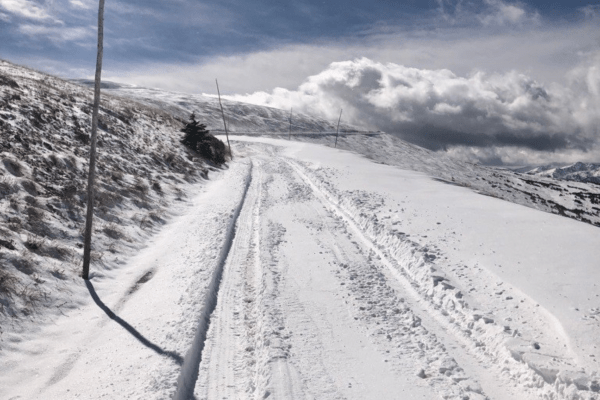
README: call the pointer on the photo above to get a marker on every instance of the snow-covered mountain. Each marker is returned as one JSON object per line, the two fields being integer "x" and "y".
{"x": 143, "y": 167}
{"x": 578, "y": 172}
{"x": 375, "y": 270}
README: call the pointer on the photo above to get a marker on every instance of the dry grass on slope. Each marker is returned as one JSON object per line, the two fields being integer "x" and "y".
{"x": 44, "y": 142}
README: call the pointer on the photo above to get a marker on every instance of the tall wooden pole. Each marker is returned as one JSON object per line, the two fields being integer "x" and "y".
{"x": 224, "y": 124}
{"x": 87, "y": 245}
{"x": 338, "y": 128}
{"x": 290, "y": 135}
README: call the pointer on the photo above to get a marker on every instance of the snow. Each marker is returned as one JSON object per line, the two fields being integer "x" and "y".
{"x": 544, "y": 256}
{"x": 140, "y": 353}
{"x": 241, "y": 117}
{"x": 342, "y": 278}
{"x": 378, "y": 270}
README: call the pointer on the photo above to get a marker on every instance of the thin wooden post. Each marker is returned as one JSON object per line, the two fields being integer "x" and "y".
{"x": 290, "y": 135}
{"x": 338, "y": 128}
{"x": 87, "y": 245}
{"x": 224, "y": 124}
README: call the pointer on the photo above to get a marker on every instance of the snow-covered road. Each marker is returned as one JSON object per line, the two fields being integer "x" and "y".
{"x": 304, "y": 272}
{"x": 283, "y": 327}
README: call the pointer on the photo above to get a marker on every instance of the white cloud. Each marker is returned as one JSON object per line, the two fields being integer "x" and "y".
{"x": 519, "y": 156}
{"x": 287, "y": 66}
{"x": 57, "y": 34}
{"x": 497, "y": 75}
{"x": 591, "y": 11}
{"x": 444, "y": 108}
{"x": 86, "y": 5}
{"x": 499, "y": 12}
{"x": 24, "y": 8}
{"x": 181, "y": 12}
{"x": 439, "y": 109}
{"x": 489, "y": 13}
{"x": 545, "y": 53}
{"x": 4, "y": 17}
{"x": 584, "y": 91}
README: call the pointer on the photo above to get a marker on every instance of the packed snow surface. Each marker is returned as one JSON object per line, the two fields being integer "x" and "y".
{"x": 306, "y": 272}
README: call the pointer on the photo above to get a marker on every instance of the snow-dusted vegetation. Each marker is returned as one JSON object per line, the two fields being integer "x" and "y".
{"x": 142, "y": 170}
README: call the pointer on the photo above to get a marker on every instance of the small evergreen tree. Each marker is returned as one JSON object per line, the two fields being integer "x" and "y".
{"x": 194, "y": 133}
{"x": 197, "y": 138}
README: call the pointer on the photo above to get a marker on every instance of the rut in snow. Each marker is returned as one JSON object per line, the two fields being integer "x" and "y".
{"x": 530, "y": 378}
{"x": 189, "y": 371}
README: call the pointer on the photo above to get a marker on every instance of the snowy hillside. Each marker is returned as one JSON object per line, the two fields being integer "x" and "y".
{"x": 377, "y": 270}
{"x": 142, "y": 170}
{"x": 580, "y": 201}
{"x": 240, "y": 117}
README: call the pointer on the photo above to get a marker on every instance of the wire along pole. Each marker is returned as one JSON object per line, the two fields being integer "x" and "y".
{"x": 224, "y": 124}
{"x": 87, "y": 243}
{"x": 338, "y": 128}
{"x": 290, "y": 135}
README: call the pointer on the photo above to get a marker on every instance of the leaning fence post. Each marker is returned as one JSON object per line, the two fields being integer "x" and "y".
{"x": 224, "y": 124}
{"x": 87, "y": 240}
{"x": 338, "y": 128}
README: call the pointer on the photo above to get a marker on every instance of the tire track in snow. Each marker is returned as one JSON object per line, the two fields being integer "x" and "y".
{"x": 256, "y": 359}
{"x": 515, "y": 365}
{"x": 188, "y": 376}
{"x": 232, "y": 367}
{"x": 427, "y": 310}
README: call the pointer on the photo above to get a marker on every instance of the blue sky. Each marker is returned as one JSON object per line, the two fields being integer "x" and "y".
{"x": 266, "y": 50}
{"x": 147, "y": 35}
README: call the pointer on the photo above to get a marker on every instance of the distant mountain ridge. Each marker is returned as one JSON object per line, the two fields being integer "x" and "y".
{"x": 579, "y": 172}
{"x": 103, "y": 84}
{"x": 241, "y": 117}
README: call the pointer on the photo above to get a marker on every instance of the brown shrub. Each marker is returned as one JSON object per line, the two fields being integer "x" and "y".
{"x": 34, "y": 214}
{"x": 112, "y": 231}
{"x": 157, "y": 188}
{"x": 24, "y": 265}
{"x": 8, "y": 186}
{"x": 34, "y": 244}
{"x": 8, "y": 284}
{"x": 13, "y": 167}
{"x": 30, "y": 187}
